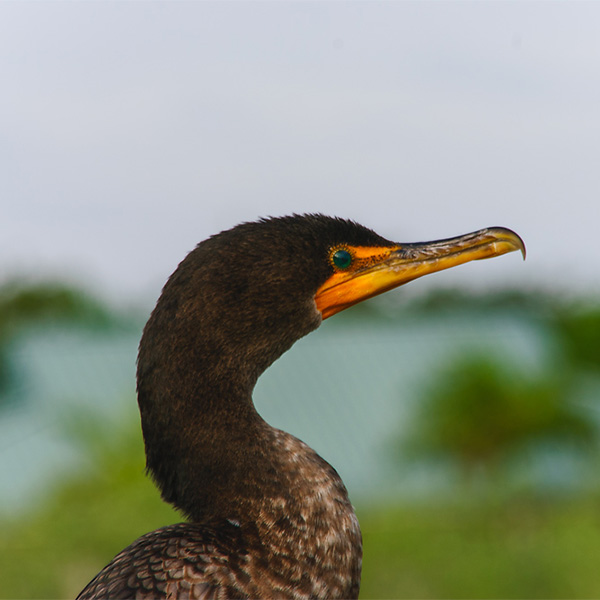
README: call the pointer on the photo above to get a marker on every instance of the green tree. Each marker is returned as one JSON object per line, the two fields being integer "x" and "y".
{"x": 579, "y": 335}
{"x": 23, "y": 305}
{"x": 480, "y": 412}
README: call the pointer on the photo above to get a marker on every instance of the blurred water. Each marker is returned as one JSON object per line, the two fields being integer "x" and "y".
{"x": 345, "y": 391}
{"x": 62, "y": 375}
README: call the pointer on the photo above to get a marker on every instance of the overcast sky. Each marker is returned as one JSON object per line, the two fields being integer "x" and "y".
{"x": 131, "y": 131}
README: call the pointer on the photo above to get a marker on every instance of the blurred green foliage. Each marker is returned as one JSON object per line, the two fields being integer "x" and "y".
{"x": 24, "y": 305}
{"x": 535, "y": 304}
{"x": 579, "y": 334}
{"x": 481, "y": 411}
{"x": 519, "y": 548}
{"x": 56, "y": 550}
{"x": 452, "y": 300}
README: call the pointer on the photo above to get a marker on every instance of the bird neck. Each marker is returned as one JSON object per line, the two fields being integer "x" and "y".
{"x": 206, "y": 446}
{"x": 200, "y": 431}
{"x": 219, "y": 462}
{"x": 228, "y": 464}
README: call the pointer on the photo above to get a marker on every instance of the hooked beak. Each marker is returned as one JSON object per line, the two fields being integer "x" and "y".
{"x": 376, "y": 270}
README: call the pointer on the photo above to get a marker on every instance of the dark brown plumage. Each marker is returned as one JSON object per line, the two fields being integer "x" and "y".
{"x": 268, "y": 517}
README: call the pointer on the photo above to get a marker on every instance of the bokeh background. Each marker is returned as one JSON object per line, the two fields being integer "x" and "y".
{"x": 462, "y": 411}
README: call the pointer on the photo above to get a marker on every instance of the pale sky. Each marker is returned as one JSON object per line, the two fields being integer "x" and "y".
{"x": 130, "y": 131}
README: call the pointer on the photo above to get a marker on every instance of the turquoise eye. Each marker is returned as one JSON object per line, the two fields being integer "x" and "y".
{"x": 341, "y": 259}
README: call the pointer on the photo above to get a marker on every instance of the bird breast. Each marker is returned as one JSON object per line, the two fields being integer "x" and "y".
{"x": 310, "y": 532}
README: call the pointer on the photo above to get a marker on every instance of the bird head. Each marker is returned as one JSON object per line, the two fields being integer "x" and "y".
{"x": 248, "y": 293}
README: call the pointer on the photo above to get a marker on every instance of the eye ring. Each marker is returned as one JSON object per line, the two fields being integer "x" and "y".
{"x": 341, "y": 258}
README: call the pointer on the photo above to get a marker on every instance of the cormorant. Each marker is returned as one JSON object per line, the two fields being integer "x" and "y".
{"x": 268, "y": 517}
